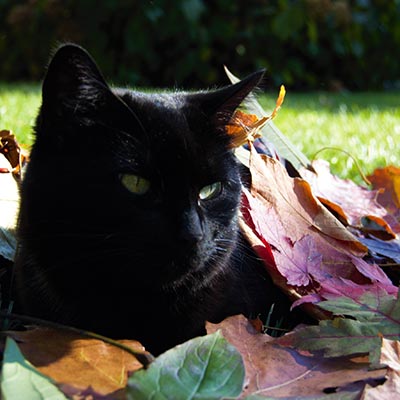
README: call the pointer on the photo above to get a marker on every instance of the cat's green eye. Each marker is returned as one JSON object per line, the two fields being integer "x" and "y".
{"x": 135, "y": 184}
{"x": 210, "y": 191}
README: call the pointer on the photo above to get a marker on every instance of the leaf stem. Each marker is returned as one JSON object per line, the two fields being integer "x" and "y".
{"x": 363, "y": 177}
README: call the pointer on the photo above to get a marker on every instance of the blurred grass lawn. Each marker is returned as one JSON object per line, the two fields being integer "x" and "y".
{"x": 365, "y": 124}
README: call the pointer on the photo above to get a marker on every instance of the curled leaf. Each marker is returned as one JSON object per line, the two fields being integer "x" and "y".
{"x": 242, "y": 128}
{"x": 12, "y": 152}
{"x": 246, "y": 127}
{"x": 353, "y": 204}
{"x": 279, "y": 101}
{"x": 284, "y": 147}
{"x": 387, "y": 180}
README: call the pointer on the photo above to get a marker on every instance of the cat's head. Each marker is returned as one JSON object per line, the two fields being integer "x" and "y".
{"x": 119, "y": 179}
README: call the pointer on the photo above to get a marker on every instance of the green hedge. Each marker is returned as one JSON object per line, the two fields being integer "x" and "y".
{"x": 305, "y": 44}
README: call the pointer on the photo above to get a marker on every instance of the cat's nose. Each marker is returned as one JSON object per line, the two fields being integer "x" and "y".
{"x": 191, "y": 230}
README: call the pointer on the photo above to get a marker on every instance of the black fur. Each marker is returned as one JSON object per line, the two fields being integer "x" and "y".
{"x": 151, "y": 267}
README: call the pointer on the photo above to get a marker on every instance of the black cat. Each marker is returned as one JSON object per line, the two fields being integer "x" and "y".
{"x": 129, "y": 215}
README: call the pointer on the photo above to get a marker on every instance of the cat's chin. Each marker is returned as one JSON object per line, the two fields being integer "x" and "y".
{"x": 193, "y": 274}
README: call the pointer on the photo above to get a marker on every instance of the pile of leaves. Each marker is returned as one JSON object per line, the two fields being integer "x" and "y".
{"x": 332, "y": 246}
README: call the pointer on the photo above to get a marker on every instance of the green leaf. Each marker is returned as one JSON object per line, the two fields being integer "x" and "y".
{"x": 373, "y": 306}
{"x": 376, "y": 314}
{"x": 20, "y": 380}
{"x": 206, "y": 367}
{"x": 283, "y": 145}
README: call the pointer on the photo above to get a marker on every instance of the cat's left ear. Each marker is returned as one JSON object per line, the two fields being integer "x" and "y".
{"x": 222, "y": 103}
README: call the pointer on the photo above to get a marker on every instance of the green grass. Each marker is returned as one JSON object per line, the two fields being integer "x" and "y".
{"x": 365, "y": 124}
{"x": 19, "y": 105}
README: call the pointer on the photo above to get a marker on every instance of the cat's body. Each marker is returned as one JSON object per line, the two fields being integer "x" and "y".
{"x": 129, "y": 213}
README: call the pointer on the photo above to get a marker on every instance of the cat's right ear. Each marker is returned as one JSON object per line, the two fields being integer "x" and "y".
{"x": 73, "y": 84}
{"x": 221, "y": 104}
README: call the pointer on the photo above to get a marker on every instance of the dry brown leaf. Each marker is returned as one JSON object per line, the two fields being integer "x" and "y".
{"x": 11, "y": 161}
{"x": 293, "y": 201}
{"x": 242, "y": 128}
{"x": 377, "y": 227}
{"x": 349, "y": 200}
{"x": 302, "y": 244}
{"x": 390, "y": 356}
{"x": 12, "y": 152}
{"x": 9, "y": 196}
{"x": 277, "y": 371}
{"x": 388, "y": 178}
{"x": 246, "y": 127}
{"x": 80, "y": 366}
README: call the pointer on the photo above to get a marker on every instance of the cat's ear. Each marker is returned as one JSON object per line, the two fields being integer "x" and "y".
{"x": 222, "y": 103}
{"x": 73, "y": 83}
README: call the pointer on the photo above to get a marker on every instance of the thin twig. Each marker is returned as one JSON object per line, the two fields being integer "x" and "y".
{"x": 274, "y": 328}
{"x": 143, "y": 357}
{"x": 363, "y": 177}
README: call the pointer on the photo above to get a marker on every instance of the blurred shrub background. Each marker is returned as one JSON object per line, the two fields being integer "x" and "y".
{"x": 305, "y": 44}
